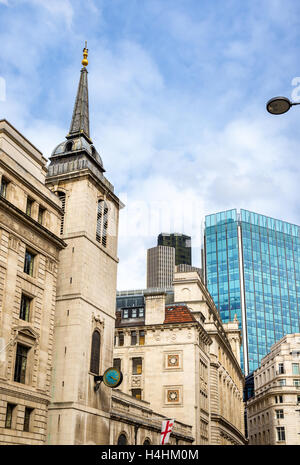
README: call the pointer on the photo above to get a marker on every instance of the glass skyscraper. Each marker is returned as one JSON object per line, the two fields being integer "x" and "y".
{"x": 252, "y": 269}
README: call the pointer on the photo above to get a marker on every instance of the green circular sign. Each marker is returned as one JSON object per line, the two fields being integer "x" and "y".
{"x": 112, "y": 377}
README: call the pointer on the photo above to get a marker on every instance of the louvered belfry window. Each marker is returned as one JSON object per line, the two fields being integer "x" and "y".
{"x": 95, "y": 353}
{"x": 62, "y": 197}
{"x": 102, "y": 222}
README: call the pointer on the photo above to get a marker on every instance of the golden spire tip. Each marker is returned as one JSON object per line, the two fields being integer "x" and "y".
{"x": 85, "y": 54}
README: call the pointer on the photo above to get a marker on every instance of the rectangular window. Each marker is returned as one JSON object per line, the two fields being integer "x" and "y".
{"x": 141, "y": 312}
{"x": 21, "y": 363}
{"x": 134, "y": 313}
{"x": 136, "y": 366}
{"x": 121, "y": 339}
{"x": 29, "y": 206}
{"x": 25, "y": 307}
{"x": 282, "y": 382}
{"x": 298, "y": 399}
{"x": 295, "y": 368}
{"x": 28, "y": 264}
{"x": 3, "y": 187}
{"x": 280, "y": 368}
{"x": 133, "y": 338}
{"x": 27, "y": 417}
{"x": 142, "y": 338}
{"x": 279, "y": 414}
{"x": 125, "y": 313}
{"x": 137, "y": 393}
{"x": 117, "y": 363}
{"x": 62, "y": 198}
{"x": 41, "y": 215}
{"x": 296, "y": 382}
{"x": 9, "y": 415}
{"x": 280, "y": 433}
{"x": 280, "y": 399}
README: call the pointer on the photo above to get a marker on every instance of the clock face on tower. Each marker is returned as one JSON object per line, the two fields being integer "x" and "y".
{"x": 112, "y": 377}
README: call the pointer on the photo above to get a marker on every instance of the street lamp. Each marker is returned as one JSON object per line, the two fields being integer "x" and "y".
{"x": 279, "y": 105}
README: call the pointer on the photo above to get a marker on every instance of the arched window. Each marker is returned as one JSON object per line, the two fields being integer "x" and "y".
{"x": 62, "y": 197}
{"x": 122, "y": 440}
{"x": 146, "y": 442}
{"x": 102, "y": 222}
{"x": 68, "y": 146}
{"x": 95, "y": 353}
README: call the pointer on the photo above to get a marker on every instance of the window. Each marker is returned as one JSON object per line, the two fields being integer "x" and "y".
{"x": 41, "y": 215}
{"x": 121, "y": 339}
{"x": 9, "y": 415}
{"x": 147, "y": 442}
{"x": 282, "y": 382}
{"x": 62, "y": 198}
{"x": 296, "y": 382}
{"x": 122, "y": 440}
{"x": 137, "y": 393}
{"x": 29, "y": 206}
{"x": 3, "y": 187}
{"x": 295, "y": 368}
{"x": 69, "y": 146}
{"x": 21, "y": 363}
{"x": 280, "y": 368}
{"x": 133, "y": 338}
{"x": 25, "y": 307}
{"x": 280, "y": 399}
{"x": 102, "y": 222}
{"x": 136, "y": 366}
{"x": 279, "y": 414}
{"x": 298, "y": 399}
{"x": 28, "y": 264}
{"x": 95, "y": 353}
{"x": 280, "y": 433}
{"x": 141, "y": 312}
{"x": 117, "y": 363}
{"x": 142, "y": 338}
{"x": 134, "y": 313}
{"x": 125, "y": 313}
{"x": 27, "y": 417}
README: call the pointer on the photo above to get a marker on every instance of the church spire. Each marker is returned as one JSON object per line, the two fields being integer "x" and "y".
{"x": 80, "y": 124}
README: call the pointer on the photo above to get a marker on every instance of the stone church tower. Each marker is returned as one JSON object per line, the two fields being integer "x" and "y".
{"x": 86, "y": 287}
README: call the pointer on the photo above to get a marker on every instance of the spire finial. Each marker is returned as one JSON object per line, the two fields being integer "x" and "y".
{"x": 85, "y": 54}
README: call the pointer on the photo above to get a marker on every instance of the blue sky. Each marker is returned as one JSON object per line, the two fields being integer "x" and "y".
{"x": 177, "y": 104}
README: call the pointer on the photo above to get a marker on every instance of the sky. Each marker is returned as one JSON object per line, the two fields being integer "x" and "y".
{"x": 178, "y": 92}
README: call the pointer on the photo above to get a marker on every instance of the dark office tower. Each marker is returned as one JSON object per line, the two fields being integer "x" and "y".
{"x": 182, "y": 245}
{"x": 252, "y": 269}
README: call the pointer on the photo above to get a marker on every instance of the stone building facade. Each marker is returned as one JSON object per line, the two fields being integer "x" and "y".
{"x": 184, "y": 362}
{"x": 30, "y": 217}
{"x": 133, "y": 422}
{"x": 274, "y": 410}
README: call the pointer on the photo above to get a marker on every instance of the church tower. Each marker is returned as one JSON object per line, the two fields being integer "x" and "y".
{"x": 86, "y": 287}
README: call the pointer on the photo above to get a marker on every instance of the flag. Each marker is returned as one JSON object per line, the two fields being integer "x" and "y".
{"x": 166, "y": 429}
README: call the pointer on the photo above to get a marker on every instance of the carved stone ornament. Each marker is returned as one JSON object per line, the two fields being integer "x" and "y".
{"x": 14, "y": 243}
{"x": 136, "y": 381}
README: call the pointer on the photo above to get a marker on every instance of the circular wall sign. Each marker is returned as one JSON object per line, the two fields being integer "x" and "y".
{"x": 112, "y": 377}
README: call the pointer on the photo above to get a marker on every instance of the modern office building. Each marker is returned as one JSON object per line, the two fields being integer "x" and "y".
{"x": 181, "y": 244}
{"x": 252, "y": 269}
{"x": 160, "y": 266}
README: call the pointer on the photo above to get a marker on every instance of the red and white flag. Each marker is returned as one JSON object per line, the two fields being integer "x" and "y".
{"x": 166, "y": 429}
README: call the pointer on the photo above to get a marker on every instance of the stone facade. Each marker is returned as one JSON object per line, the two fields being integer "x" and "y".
{"x": 274, "y": 411}
{"x": 186, "y": 365}
{"x": 135, "y": 420}
{"x": 30, "y": 216}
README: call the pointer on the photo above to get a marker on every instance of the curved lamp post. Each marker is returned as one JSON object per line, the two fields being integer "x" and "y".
{"x": 279, "y": 105}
